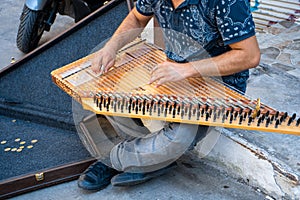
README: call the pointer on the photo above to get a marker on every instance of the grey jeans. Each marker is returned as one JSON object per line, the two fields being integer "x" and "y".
{"x": 143, "y": 151}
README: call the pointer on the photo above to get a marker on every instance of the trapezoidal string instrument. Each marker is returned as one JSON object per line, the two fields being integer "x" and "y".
{"x": 124, "y": 91}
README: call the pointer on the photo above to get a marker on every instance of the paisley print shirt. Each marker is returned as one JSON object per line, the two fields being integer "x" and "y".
{"x": 200, "y": 28}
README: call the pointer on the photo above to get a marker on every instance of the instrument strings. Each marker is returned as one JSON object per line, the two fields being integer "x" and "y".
{"x": 125, "y": 91}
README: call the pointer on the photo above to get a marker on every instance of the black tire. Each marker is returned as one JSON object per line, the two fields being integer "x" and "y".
{"x": 30, "y": 30}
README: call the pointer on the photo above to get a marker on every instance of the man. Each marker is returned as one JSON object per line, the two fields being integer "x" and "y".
{"x": 225, "y": 29}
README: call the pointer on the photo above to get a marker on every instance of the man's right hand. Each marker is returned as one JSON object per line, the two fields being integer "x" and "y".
{"x": 103, "y": 60}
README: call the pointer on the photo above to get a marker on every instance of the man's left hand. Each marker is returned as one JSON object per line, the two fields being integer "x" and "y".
{"x": 168, "y": 72}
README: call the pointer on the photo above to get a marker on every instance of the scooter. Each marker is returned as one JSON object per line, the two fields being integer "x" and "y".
{"x": 38, "y": 16}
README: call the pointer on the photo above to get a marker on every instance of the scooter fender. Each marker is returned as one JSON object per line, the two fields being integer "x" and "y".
{"x": 37, "y": 4}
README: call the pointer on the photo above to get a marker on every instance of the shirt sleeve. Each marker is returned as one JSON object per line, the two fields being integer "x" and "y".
{"x": 234, "y": 20}
{"x": 145, "y": 7}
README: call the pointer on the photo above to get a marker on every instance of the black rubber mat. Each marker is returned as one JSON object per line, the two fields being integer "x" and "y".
{"x": 27, "y": 147}
{"x": 36, "y": 121}
{"x": 29, "y": 85}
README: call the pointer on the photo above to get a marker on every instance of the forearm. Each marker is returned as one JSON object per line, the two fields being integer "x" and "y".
{"x": 231, "y": 62}
{"x": 228, "y": 63}
{"x": 129, "y": 29}
{"x": 243, "y": 55}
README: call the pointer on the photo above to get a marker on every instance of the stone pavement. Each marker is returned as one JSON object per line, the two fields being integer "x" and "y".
{"x": 270, "y": 161}
{"x": 277, "y": 82}
{"x": 193, "y": 179}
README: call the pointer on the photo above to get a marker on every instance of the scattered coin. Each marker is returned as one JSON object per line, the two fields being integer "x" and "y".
{"x": 21, "y": 147}
{"x": 23, "y": 142}
{"x": 3, "y": 142}
{"x": 7, "y": 149}
{"x": 19, "y": 150}
{"x": 29, "y": 146}
{"x": 34, "y": 141}
{"x": 13, "y": 120}
{"x": 12, "y": 60}
{"x": 17, "y": 140}
{"x": 14, "y": 149}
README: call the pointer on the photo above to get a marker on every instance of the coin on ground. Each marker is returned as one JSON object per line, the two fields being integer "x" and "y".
{"x": 3, "y": 142}
{"x": 7, "y": 149}
{"x": 14, "y": 149}
{"x": 34, "y": 141}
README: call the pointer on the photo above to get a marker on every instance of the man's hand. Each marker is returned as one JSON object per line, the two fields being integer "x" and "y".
{"x": 103, "y": 60}
{"x": 129, "y": 29}
{"x": 243, "y": 55}
{"x": 168, "y": 72}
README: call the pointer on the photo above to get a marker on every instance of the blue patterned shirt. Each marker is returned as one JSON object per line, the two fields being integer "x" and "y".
{"x": 201, "y": 28}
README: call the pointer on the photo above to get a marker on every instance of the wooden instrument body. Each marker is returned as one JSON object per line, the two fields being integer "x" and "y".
{"x": 124, "y": 91}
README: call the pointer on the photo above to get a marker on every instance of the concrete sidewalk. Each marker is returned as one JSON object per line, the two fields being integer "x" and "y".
{"x": 192, "y": 179}
{"x": 10, "y": 12}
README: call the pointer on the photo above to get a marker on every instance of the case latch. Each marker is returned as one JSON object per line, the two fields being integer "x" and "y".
{"x": 39, "y": 176}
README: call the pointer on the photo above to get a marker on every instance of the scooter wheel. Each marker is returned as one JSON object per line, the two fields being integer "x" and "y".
{"x": 30, "y": 29}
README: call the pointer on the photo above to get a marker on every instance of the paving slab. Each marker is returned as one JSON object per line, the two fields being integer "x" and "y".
{"x": 270, "y": 161}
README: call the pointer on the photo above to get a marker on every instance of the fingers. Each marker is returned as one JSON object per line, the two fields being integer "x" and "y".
{"x": 107, "y": 65}
{"x": 96, "y": 64}
{"x": 157, "y": 75}
{"x": 102, "y": 69}
{"x": 102, "y": 62}
{"x": 166, "y": 72}
{"x": 153, "y": 74}
{"x": 161, "y": 81}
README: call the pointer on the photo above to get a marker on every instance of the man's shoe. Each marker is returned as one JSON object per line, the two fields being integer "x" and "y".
{"x": 128, "y": 179}
{"x": 96, "y": 177}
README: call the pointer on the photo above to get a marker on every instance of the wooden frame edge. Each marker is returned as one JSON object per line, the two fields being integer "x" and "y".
{"x": 48, "y": 177}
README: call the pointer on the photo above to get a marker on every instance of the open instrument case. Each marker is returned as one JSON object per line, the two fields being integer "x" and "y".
{"x": 40, "y": 145}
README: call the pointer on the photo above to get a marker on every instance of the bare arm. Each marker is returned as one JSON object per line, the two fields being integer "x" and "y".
{"x": 243, "y": 55}
{"x": 128, "y": 30}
